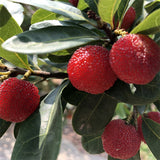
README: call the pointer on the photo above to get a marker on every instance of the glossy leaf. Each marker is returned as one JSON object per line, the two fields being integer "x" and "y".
{"x": 9, "y": 28}
{"x": 59, "y": 59}
{"x": 138, "y": 5}
{"x": 151, "y": 133}
{"x": 150, "y": 25}
{"x": 4, "y": 125}
{"x": 50, "y": 39}
{"x": 107, "y": 10}
{"x": 150, "y": 7}
{"x": 136, "y": 94}
{"x": 39, "y": 136}
{"x": 82, "y": 5}
{"x": 61, "y": 8}
{"x": 123, "y": 7}
{"x": 93, "y": 5}
{"x": 72, "y": 95}
{"x": 93, "y": 144}
{"x": 51, "y": 23}
{"x": 157, "y": 38}
{"x": 93, "y": 113}
{"x": 17, "y": 12}
{"x": 41, "y": 15}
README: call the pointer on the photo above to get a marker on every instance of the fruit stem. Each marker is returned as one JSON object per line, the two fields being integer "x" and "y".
{"x": 20, "y": 71}
{"x": 27, "y": 74}
{"x": 5, "y": 73}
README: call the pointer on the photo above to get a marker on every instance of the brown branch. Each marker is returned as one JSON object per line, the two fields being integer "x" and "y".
{"x": 19, "y": 71}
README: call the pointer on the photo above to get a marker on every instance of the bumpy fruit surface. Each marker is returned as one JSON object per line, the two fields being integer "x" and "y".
{"x": 18, "y": 99}
{"x": 74, "y": 2}
{"x": 155, "y": 116}
{"x": 128, "y": 19}
{"x": 120, "y": 140}
{"x": 135, "y": 58}
{"x": 89, "y": 69}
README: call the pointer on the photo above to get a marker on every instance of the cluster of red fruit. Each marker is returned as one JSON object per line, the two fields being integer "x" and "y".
{"x": 18, "y": 99}
{"x": 134, "y": 58}
{"x": 121, "y": 140}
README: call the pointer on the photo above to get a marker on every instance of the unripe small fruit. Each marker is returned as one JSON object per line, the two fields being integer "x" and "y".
{"x": 120, "y": 140}
{"x": 74, "y": 2}
{"x": 155, "y": 116}
{"x": 128, "y": 19}
{"x": 18, "y": 99}
{"x": 135, "y": 58}
{"x": 89, "y": 69}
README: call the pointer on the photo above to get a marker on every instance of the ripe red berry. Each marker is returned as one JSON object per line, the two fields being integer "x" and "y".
{"x": 74, "y": 2}
{"x": 18, "y": 99}
{"x": 135, "y": 58}
{"x": 128, "y": 19}
{"x": 120, "y": 140}
{"x": 89, "y": 69}
{"x": 155, "y": 116}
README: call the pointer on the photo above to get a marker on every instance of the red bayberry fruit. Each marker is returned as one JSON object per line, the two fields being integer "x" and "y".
{"x": 120, "y": 140}
{"x": 155, "y": 116}
{"x": 18, "y": 99}
{"x": 89, "y": 69}
{"x": 74, "y": 2}
{"x": 135, "y": 58}
{"x": 128, "y": 19}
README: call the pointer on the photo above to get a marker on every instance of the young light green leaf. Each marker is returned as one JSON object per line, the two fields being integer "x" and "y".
{"x": 151, "y": 133}
{"x": 82, "y": 5}
{"x": 93, "y": 113}
{"x": 41, "y": 15}
{"x": 150, "y": 25}
{"x": 9, "y": 28}
{"x": 107, "y": 10}
{"x": 50, "y": 39}
{"x": 39, "y": 136}
{"x": 4, "y": 125}
{"x": 93, "y": 144}
{"x": 61, "y": 8}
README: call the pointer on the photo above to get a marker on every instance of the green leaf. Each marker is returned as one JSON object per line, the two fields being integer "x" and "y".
{"x": 123, "y": 7}
{"x": 150, "y": 25}
{"x": 4, "y": 125}
{"x": 41, "y": 15}
{"x": 136, "y": 94}
{"x": 93, "y": 5}
{"x": 51, "y": 23}
{"x": 93, "y": 144}
{"x": 82, "y": 5}
{"x": 61, "y": 8}
{"x": 59, "y": 59}
{"x": 157, "y": 38}
{"x": 9, "y": 28}
{"x": 72, "y": 95}
{"x": 151, "y": 133}
{"x": 93, "y": 113}
{"x": 39, "y": 136}
{"x": 157, "y": 104}
{"x": 107, "y": 10}
{"x": 138, "y": 6}
{"x": 50, "y": 39}
{"x": 150, "y": 7}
